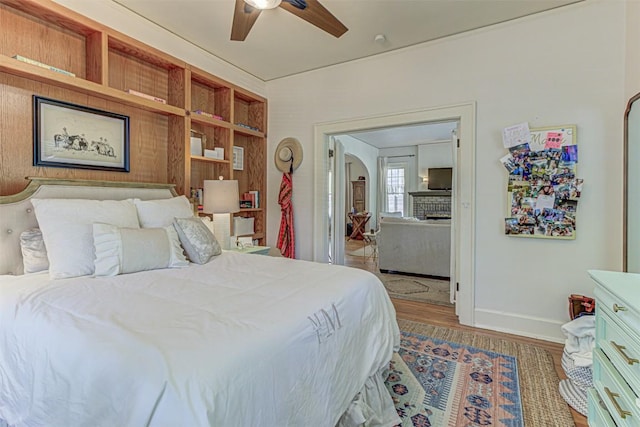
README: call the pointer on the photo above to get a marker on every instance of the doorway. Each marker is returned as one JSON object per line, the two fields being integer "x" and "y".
{"x": 463, "y": 258}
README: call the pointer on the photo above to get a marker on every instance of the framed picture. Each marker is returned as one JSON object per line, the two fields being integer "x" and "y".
{"x": 238, "y": 158}
{"x": 73, "y": 136}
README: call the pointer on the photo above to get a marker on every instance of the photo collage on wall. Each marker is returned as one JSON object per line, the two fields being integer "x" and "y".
{"x": 543, "y": 188}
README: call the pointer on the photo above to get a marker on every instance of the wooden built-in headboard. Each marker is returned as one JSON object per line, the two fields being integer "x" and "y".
{"x": 16, "y": 211}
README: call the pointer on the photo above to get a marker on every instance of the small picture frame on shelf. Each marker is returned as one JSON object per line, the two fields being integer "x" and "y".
{"x": 238, "y": 158}
{"x": 74, "y": 136}
{"x": 196, "y": 146}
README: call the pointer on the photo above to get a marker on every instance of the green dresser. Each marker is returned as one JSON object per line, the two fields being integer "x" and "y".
{"x": 615, "y": 398}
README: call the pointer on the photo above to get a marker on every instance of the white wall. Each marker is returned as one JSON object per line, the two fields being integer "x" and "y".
{"x": 632, "y": 80}
{"x": 434, "y": 155}
{"x": 368, "y": 155}
{"x": 547, "y": 69}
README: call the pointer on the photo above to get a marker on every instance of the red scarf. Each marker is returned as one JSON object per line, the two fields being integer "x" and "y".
{"x": 286, "y": 236}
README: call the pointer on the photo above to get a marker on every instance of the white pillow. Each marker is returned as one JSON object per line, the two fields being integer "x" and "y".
{"x": 128, "y": 250}
{"x": 66, "y": 226}
{"x": 162, "y": 212}
{"x": 34, "y": 253}
{"x": 198, "y": 241}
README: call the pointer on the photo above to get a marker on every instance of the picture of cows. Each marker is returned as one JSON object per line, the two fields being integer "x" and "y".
{"x": 80, "y": 143}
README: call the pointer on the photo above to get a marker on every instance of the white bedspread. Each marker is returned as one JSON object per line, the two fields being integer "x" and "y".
{"x": 244, "y": 340}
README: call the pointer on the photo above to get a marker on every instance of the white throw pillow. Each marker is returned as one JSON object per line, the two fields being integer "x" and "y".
{"x": 128, "y": 250}
{"x": 162, "y": 212}
{"x": 34, "y": 253}
{"x": 198, "y": 241}
{"x": 66, "y": 226}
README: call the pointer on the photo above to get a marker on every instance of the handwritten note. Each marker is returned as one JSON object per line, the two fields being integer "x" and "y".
{"x": 516, "y": 135}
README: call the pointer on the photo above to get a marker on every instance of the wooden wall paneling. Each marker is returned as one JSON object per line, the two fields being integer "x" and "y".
{"x": 222, "y": 100}
{"x": 148, "y": 136}
{"x": 178, "y": 78}
{"x": 15, "y": 135}
{"x": 106, "y": 64}
{"x": 97, "y": 58}
{"x": 210, "y": 94}
{"x": 149, "y": 145}
{"x": 56, "y": 14}
{"x": 22, "y": 35}
{"x": 178, "y": 158}
{"x": 128, "y": 72}
{"x": 249, "y": 109}
{"x": 205, "y": 170}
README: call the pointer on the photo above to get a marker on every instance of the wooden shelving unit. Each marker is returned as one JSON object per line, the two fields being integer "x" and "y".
{"x": 106, "y": 64}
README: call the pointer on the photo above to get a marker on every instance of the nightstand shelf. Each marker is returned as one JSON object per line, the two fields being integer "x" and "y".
{"x": 255, "y": 250}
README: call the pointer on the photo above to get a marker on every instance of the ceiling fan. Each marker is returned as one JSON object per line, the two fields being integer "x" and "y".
{"x": 247, "y": 11}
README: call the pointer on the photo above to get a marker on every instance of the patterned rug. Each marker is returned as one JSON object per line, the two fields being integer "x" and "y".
{"x": 542, "y": 404}
{"x": 439, "y": 383}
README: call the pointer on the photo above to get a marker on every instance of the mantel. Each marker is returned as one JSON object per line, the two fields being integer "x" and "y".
{"x": 446, "y": 193}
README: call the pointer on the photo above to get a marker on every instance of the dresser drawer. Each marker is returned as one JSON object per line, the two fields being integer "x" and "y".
{"x": 622, "y": 348}
{"x": 614, "y": 392}
{"x": 623, "y": 311}
{"x": 598, "y": 414}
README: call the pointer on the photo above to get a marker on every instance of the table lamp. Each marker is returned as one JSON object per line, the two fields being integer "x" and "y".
{"x": 221, "y": 200}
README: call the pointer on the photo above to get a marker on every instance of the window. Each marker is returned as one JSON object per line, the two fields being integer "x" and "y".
{"x": 395, "y": 188}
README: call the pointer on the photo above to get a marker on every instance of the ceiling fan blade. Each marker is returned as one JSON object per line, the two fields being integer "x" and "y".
{"x": 244, "y": 17}
{"x": 316, "y": 14}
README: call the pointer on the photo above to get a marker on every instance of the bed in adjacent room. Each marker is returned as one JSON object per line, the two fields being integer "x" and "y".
{"x": 150, "y": 339}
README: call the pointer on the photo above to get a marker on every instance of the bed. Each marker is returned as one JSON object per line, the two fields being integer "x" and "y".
{"x": 240, "y": 340}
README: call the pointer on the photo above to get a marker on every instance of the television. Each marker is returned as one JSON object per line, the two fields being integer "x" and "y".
{"x": 439, "y": 179}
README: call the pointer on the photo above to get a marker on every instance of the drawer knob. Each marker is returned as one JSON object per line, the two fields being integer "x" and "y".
{"x": 621, "y": 349}
{"x": 613, "y": 396}
{"x": 617, "y": 308}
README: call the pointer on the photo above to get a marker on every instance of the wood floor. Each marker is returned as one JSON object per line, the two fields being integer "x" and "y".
{"x": 445, "y": 316}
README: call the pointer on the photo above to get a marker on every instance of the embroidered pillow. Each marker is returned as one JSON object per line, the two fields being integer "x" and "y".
{"x": 34, "y": 253}
{"x": 161, "y": 212}
{"x": 128, "y": 250}
{"x": 198, "y": 241}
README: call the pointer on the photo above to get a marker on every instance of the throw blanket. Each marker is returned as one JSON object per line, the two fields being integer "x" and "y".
{"x": 581, "y": 334}
{"x": 286, "y": 236}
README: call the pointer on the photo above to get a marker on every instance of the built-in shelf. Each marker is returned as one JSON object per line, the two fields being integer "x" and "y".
{"x": 209, "y": 159}
{"x": 107, "y": 64}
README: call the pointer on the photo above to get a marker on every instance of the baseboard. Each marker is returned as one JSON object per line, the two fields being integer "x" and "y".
{"x": 527, "y": 326}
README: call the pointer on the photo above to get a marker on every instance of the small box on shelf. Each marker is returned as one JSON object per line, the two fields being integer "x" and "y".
{"x": 196, "y": 146}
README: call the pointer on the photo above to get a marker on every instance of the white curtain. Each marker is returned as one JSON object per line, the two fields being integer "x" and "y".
{"x": 348, "y": 190}
{"x": 382, "y": 187}
{"x": 339, "y": 209}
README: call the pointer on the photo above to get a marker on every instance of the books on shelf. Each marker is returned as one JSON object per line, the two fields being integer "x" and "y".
{"x": 146, "y": 96}
{"x": 42, "y": 65}
{"x": 204, "y": 113}
{"x": 197, "y": 198}
{"x": 246, "y": 126}
{"x": 250, "y": 199}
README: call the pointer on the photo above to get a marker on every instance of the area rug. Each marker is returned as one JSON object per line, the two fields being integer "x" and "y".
{"x": 364, "y": 251}
{"x": 416, "y": 288}
{"x": 448, "y": 378}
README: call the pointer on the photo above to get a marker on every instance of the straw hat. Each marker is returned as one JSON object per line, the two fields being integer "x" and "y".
{"x": 288, "y": 155}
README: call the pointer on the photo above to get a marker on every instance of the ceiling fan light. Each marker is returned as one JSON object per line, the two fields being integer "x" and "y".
{"x": 263, "y": 4}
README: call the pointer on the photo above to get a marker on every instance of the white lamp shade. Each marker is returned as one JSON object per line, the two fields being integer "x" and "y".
{"x": 221, "y": 196}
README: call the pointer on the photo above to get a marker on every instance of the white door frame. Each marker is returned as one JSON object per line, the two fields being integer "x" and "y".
{"x": 465, "y": 204}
